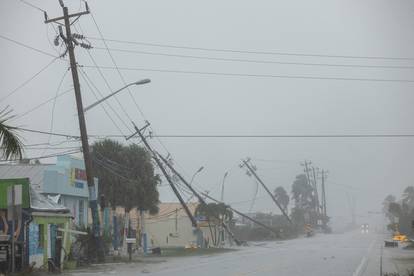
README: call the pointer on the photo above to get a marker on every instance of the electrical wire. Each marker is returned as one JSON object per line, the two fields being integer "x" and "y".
{"x": 116, "y": 66}
{"x": 43, "y": 103}
{"x": 28, "y": 47}
{"x": 255, "y": 61}
{"x": 52, "y": 117}
{"x": 50, "y": 148}
{"x": 251, "y": 51}
{"x": 28, "y": 80}
{"x": 111, "y": 170}
{"x": 31, "y": 5}
{"x": 107, "y": 85}
{"x": 45, "y": 156}
{"x": 92, "y": 86}
{"x": 389, "y": 135}
{"x": 207, "y": 73}
{"x": 123, "y": 80}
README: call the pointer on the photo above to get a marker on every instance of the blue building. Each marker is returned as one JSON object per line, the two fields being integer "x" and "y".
{"x": 64, "y": 182}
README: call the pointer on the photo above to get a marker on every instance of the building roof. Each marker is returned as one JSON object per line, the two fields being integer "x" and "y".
{"x": 32, "y": 171}
{"x": 41, "y": 203}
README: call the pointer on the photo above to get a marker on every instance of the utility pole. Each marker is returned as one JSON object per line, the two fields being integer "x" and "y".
{"x": 243, "y": 215}
{"x": 70, "y": 42}
{"x": 306, "y": 164}
{"x": 315, "y": 187}
{"x": 252, "y": 170}
{"x": 164, "y": 172}
{"x": 324, "y": 176}
{"x": 200, "y": 198}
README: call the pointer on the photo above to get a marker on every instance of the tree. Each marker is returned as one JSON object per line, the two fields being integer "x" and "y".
{"x": 217, "y": 213}
{"x": 106, "y": 160}
{"x": 408, "y": 196}
{"x": 395, "y": 209}
{"x": 386, "y": 207}
{"x": 302, "y": 194}
{"x": 126, "y": 175}
{"x": 282, "y": 197}
{"x": 11, "y": 145}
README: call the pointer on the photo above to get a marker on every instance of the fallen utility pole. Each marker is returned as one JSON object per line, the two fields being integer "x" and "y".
{"x": 70, "y": 41}
{"x": 200, "y": 198}
{"x": 164, "y": 172}
{"x": 243, "y": 215}
{"x": 253, "y": 172}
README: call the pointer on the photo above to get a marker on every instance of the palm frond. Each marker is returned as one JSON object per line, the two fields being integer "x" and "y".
{"x": 10, "y": 142}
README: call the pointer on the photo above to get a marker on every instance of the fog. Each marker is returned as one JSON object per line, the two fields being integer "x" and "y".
{"x": 213, "y": 104}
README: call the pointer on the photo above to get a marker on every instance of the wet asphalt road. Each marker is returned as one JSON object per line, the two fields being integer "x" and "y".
{"x": 350, "y": 253}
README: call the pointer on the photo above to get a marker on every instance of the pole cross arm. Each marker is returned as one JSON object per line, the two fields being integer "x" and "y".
{"x": 62, "y": 17}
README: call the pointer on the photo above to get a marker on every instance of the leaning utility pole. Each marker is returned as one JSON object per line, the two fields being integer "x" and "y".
{"x": 244, "y": 216}
{"x": 70, "y": 42}
{"x": 252, "y": 171}
{"x": 164, "y": 172}
{"x": 200, "y": 198}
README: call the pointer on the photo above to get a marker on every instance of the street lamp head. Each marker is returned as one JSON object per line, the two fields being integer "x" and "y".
{"x": 144, "y": 81}
{"x": 200, "y": 169}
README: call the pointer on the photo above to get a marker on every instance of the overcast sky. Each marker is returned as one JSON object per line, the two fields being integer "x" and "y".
{"x": 181, "y": 103}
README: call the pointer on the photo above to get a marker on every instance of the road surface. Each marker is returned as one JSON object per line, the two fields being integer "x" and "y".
{"x": 347, "y": 254}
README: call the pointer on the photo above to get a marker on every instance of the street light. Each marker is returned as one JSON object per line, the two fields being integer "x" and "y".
{"x": 144, "y": 81}
{"x": 222, "y": 186}
{"x": 199, "y": 170}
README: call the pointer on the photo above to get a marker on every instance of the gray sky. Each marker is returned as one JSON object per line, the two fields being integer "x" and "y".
{"x": 367, "y": 168}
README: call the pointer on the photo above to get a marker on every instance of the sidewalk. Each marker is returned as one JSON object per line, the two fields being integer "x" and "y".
{"x": 402, "y": 259}
{"x": 397, "y": 260}
{"x": 393, "y": 260}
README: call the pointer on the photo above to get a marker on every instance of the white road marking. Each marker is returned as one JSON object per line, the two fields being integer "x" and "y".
{"x": 358, "y": 271}
{"x": 359, "y": 268}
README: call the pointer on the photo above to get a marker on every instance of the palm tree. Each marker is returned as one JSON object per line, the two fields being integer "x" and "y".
{"x": 10, "y": 143}
{"x": 302, "y": 192}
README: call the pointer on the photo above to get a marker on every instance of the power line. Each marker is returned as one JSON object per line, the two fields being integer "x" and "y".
{"x": 255, "y": 60}
{"x": 251, "y": 51}
{"x": 291, "y": 136}
{"x": 111, "y": 170}
{"x": 48, "y": 133}
{"x": 43, "y": 103}
{"x": 108, "y": 87}
{"x": 253, "y": 75}
{"x": 389, "y": 135}
{"x": 28, "y": 80}
{"x": 31, "y": 5}
{"x": 123, "y": 80}
{"x": 50, "y": 148}
{"x": 52, "y": 119}
{"x": 90, "y": 84}
{"x": 116, "y": 66}
{"x": 28, "y": 47}
{"x": 50, "y": 144}
{"x": 45, "y": 156}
